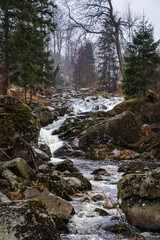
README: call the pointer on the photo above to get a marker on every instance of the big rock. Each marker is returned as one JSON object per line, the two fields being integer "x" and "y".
{"x": 16, "y": 119}
{"x": 123, "y": 129}
{"x": 26, "y": 220}
{"x": 45, "y": 115}
{"x": 20, "y": 168}
{"x": 55, "y": 205}
{"x": 140, "y": 196}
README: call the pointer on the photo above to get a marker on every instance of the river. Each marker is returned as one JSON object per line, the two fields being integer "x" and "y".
{"x": 86, "y": 223}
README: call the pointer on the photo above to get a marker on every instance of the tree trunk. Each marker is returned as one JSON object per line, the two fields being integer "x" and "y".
{"x": 25, "y": 95}
{"x": 6, "y": 57}
{"x": 31, "y": 93}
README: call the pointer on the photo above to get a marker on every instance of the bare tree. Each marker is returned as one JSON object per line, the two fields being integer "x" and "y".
{"x": 93, "y": 14}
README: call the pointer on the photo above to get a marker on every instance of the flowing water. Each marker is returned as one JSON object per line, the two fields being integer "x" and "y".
{"x": 86, "y": 223}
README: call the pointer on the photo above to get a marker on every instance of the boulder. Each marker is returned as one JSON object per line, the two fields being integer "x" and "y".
{"x": 22, "y": 149}
{"x": 146, "y": 110}
{"x": 16, "y": 117}
{"x": 123, "y": 130}
{"x": 41, "y": 156}
{"x": 11, "y": 179}
{"x": 27, "y": 220}
{"x": 71, "y": 182}
{"x": 20, "y": 168}
{"x": 66, "y": 165}
{"x": 55, "y": 205}
{"x": 86, "y": 185}
{"x": 98, "y": 197}
{"x": 52, "y": 183}
{"x": 45, "y": 148}
{"x": 140, "y": 196}
{"x": 44, "y": 114}
{"x": 101, "y": 212}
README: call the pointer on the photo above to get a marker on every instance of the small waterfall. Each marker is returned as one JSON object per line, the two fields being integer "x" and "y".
{"x": 79, "y": 105}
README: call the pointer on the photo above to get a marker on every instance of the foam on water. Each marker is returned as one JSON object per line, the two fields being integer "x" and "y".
{"x": 52, "y": 141}
{"x": 79, "y": 106}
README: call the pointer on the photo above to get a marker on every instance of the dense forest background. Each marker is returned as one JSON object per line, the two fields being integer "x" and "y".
{"x": 76, "y": 45}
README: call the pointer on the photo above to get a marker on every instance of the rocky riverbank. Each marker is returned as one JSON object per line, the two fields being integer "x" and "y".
{"x": 34, "y": 196}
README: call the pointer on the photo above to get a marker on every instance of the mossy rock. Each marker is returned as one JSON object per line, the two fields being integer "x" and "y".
{"x": 27, "y": 220}
{"x": 16, "y": 117}
{"x": 122, "y": 130}
{"x": 7, "y": 129}
{"x": 147, "y": 111}
{"x": 54, "y": 187}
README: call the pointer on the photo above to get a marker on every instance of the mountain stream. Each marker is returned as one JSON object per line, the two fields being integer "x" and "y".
{"x": 86, "y": 223}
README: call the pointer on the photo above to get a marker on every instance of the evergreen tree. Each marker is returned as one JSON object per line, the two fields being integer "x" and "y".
{"x": 6, "y": 29}
{"x": 26, "y": 59}
{"x": 140, "y": 62}
{"x": 84, "y": 67}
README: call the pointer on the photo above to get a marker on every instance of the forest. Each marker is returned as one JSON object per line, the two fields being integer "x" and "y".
{"x": 93, "y": 44}
{"x": 79, "y": 121}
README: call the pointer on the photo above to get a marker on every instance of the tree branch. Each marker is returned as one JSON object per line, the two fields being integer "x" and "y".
{"x": 81, "y": 25}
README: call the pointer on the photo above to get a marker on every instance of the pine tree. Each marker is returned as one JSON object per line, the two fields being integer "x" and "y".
{"x": 141, "y": 61}
{"x": 6, "y": 28}
{"x": 84, "y": 67}
{"x": 108, "y": 66}
{"x": 25, "y": 34}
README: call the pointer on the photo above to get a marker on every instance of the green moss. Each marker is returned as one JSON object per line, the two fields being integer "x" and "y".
{"x": 156, "y": 175}
{"x": 119, "y": 228}
{"x": 19, "y": 179}
{"x": 34, "y": 203}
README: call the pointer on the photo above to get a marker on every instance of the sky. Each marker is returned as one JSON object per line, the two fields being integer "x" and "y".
{"x": 151, "y": 9}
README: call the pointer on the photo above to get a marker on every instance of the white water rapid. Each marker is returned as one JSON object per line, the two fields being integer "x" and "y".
{"x": 86, "y": 223}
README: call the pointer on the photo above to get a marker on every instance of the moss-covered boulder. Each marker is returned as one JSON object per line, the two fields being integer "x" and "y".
{"x": 140, "y": 196}
{"x": 52, "y": 183}
{"x": 55, "y": 204}
{"x": 16, "y": 118}
{"x": 123, "y": 130}
{"x": 27, "y": 220}
{"x": 19, "y": 148}
{"x": 146, "y": 110}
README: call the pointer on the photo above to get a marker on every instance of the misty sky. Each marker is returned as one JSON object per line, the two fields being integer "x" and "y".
{"x": 151, "y": 10}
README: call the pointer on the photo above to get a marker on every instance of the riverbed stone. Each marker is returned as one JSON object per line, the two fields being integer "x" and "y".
{"x": 26, "y": 220}
{"x": 55, "y": 204}
{"x": 71, "y": 182}
{"x": 107, "y": 204}
{"x": 84, "y": 181}
{"x": 66, "y": 165}
{"x": 101, "y": 212}
{"x": 98, "y": 197}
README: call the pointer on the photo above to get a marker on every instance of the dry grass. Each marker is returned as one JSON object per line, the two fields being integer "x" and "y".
{"x": 19, "y": 93}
